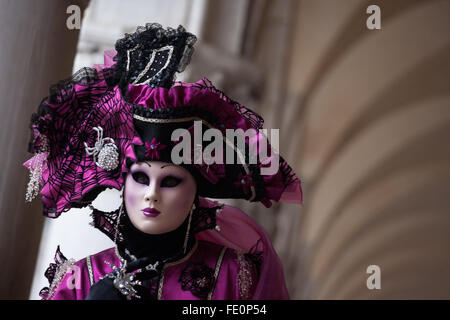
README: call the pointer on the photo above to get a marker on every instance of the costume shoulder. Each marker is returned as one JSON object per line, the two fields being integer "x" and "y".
{"x": 72, "y": 280}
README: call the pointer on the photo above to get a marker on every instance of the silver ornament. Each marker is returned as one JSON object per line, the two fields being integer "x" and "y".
{"x": 108, "y": 157}
{"x": 104, "y": 151}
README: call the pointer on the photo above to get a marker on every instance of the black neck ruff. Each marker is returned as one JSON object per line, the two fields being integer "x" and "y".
{"x": 158, "y": 247}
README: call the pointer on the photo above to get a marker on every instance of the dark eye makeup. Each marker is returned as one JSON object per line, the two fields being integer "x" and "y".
{"x": 140, "y": 177}
{"x": 170, "y": 182}
{"x": 167, "y": 182}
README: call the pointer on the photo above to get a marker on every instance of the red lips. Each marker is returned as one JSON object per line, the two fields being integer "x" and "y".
{"x": 150, "y": 212}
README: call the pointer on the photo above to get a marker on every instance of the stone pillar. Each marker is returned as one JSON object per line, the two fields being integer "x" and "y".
{"x": 37, "y": 50}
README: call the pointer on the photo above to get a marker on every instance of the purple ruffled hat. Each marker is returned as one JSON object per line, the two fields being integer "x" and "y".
{"x": 94, "y": 125}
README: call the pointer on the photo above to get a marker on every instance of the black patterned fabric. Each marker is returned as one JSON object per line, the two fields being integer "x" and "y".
{"x": 50, "y": 272}
{"x": 198, "y": 278}
{"x": 141, "y": 60}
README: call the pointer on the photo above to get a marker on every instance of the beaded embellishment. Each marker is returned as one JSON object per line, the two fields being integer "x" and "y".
{"x": 245, "y": 279}
{"x": 56, "y": 272}
{"x": 38, "y": 166}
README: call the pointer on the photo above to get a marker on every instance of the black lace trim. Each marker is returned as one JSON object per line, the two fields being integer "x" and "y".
{"x": 106, "y": 223}
{"x": 204, "y": 218}
{"x": 64, "y": 91}
{"x": 289, "y": 176}
{"x": 198, "y": 278}
{"x": 255, "y": 119}
{"x": 142, "y": 43}
{"x": 51, "y": 271}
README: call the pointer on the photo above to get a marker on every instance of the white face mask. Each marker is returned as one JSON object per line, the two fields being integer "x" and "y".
{"x": 158, "y": 196}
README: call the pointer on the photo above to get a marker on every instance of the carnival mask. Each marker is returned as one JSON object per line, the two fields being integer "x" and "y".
{"x": 158, "y": 196}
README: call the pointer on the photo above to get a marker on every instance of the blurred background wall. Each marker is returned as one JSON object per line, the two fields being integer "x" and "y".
{"x": 364, "y": 119}
{"x": 35, "y": 51}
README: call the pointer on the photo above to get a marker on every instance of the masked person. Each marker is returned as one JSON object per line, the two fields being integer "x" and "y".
{"x": 128, "y": 125}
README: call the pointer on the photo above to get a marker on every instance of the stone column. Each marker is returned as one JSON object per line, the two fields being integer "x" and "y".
{"x": 37, "y": 50}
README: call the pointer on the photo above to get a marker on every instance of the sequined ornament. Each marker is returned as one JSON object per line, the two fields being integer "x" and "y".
{"x": 245, "y": 279}
{"x": 104, "y": 151}
{"x": 108, "y": 157}
{"x": 123, "y": 281}
{"x": 37, "y": 167}
{"x": 63, "y": 269}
